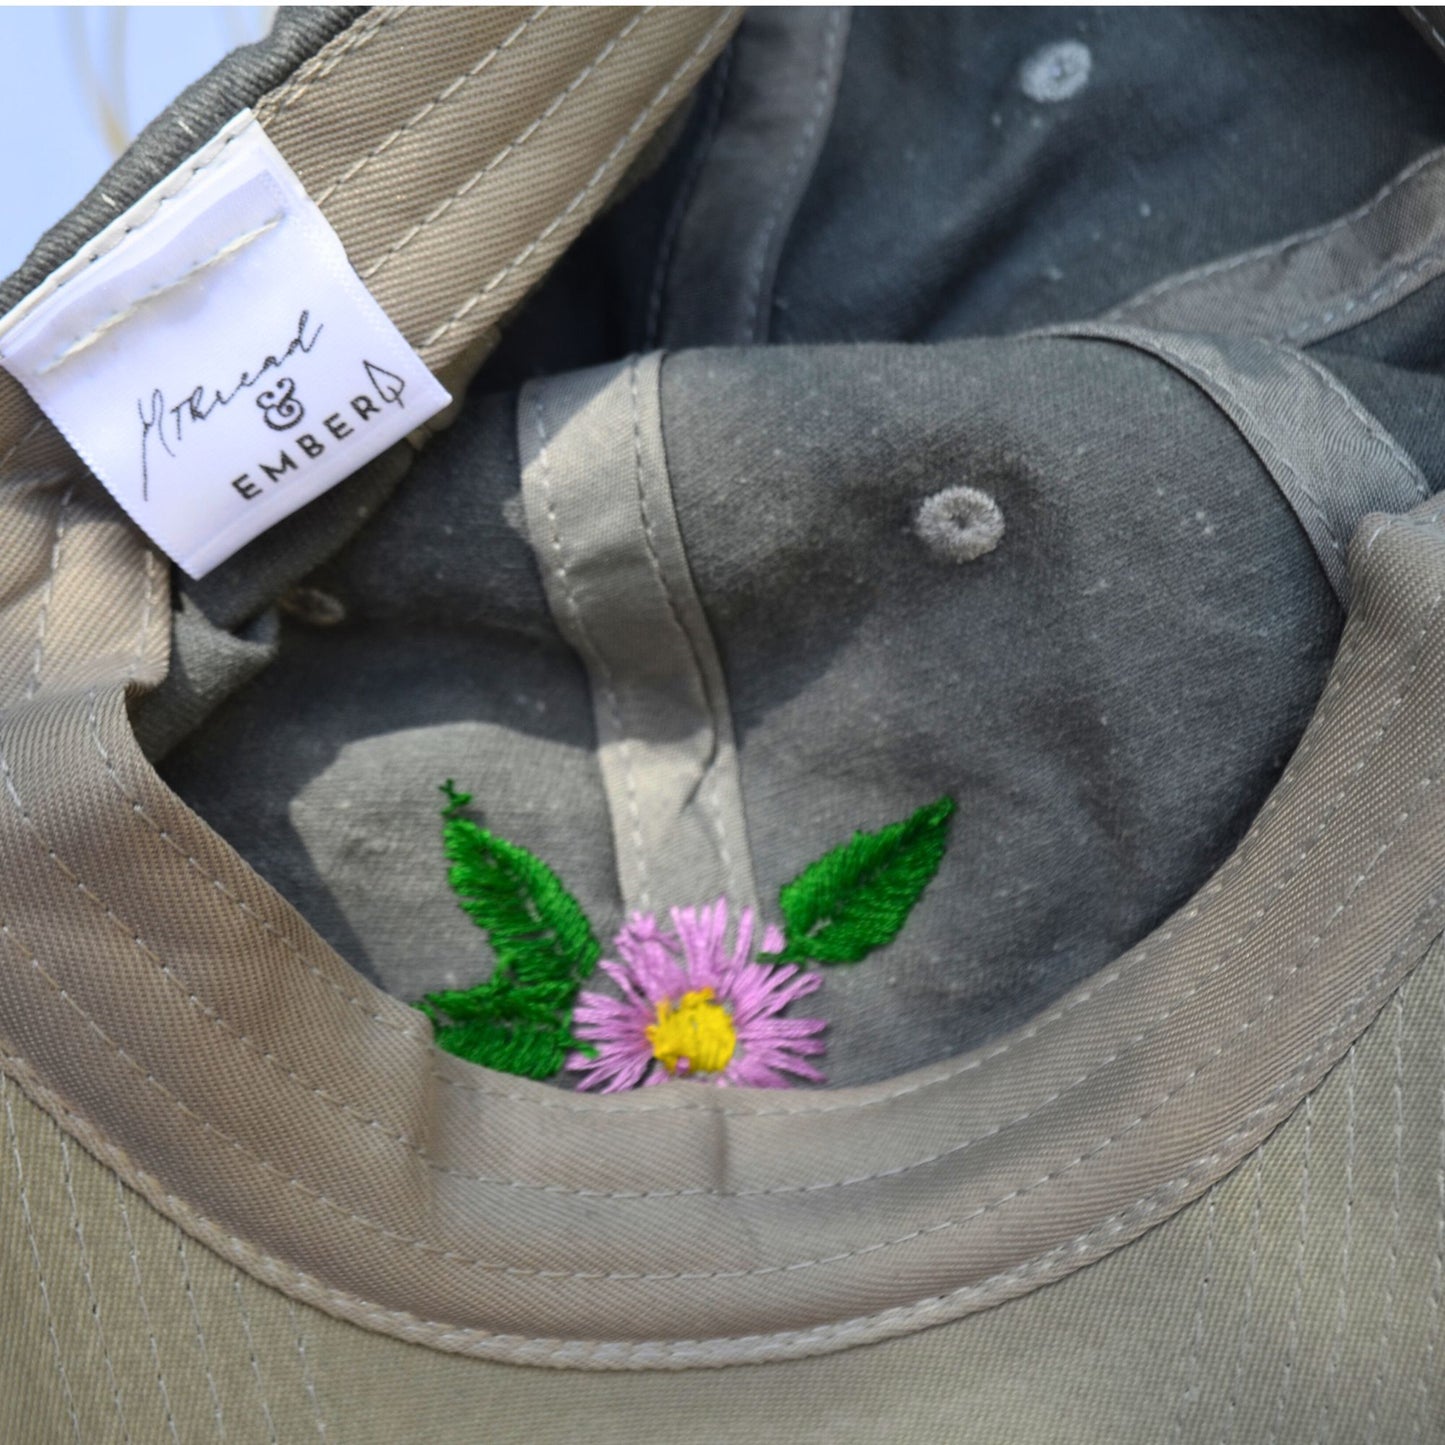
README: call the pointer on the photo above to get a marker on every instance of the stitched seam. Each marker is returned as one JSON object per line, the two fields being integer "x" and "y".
{"x": 177, "y": 183}
{"x": 1287, "y": 1375}
{"x": 594, "y": 659}
{"x": 709, "y": 706}
{"x": 308, "y": 1380}
{"x": 755, "y": 330}
{"x": 593, "y": 182}
{"x": 29, "y": 1223}
{"x": 1136, "y": 957}
{"x": 914, "y": 1316}
{"x": 1196, "y": 1338}
{"x": 138, "y": 810}
{"x": 1387, "y": 1324}
{"x": 1432, "y": 1334}
{"x": 511, "y": 148}
{"x": 1274, "y": 248}
{"x": 149, "y": 572}
{"x": 1262, "y": 442}
{"x": 663, "y": 264}
{"x": 1222, "y": 959}
{"x": 1246, "y": 1327}
{"x": 117, "y": 318}
{"x": 940, "y": 1226}
{"x": 360, "y": 165}
{"x": 1341, "y": 308}
{"x": 1342, "y": 1312}
{"x": 145, "y": 1310}
{"x": 216, "y": 1019}
{"x": 32, "y": 686}
{"x": 90, "y": 1288}
{"x": 1368, "y": 422}
{"x": 255, "y": 1363}
{"x": 321, "y": 65}
{"x": 201, "y": 1339}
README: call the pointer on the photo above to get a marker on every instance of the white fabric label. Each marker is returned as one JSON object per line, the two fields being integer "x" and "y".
{"x": 214, "y": 358}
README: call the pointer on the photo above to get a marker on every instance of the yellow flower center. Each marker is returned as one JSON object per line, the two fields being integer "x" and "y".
{"x": 694, "y": 1037}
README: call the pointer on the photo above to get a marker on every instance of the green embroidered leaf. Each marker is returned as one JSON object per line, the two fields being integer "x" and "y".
{"x": 536, "y": 928}
{"x": 857, "y": 897}
{"x": 518, "y": 1036}
{"x": 519, "y": 1019}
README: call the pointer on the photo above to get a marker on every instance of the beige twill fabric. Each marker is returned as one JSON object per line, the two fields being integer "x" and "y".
{"x": 193, "y": 1034}
{"x": 186, "y": 1024}
{"x": 1298, "y": 1301}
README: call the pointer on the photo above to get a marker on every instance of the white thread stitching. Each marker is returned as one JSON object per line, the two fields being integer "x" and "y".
{"x": 1437, "y": 1282}
{"x": 1246, "y": 1326}
{"x": 321, "y": 65}
{"x": 360, "y": 165}
{"x": 200, "y": 1337}
{"x": 1387, "y": 1324}
{"x": 177, "y": 183}
{"x": 1196, "y": 1338}
{"x": 508, "y": 150}
{"x": 1286, "y": 1379}
{"x": 308, "y": 1381}
{"x": 32, "y": 686}
{"x": 1342, "y": 1313}
{"x": 591, "y": 654}
{"x": 139, "y": 811}
{"x": 255, "y": 1363}
{"x": 1095, "y": 1151}
{"x": 90, "y": 1287}
{"x": 119, "y": 318}
{"x": 593, "y": 182}
{"x": 29, "y": 1223}
{"x": 145, "y": 1309}
{"x": 411, "y": 1326}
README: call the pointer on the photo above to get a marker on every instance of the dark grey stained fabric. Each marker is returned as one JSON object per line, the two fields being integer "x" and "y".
{"x": 949, "y": 200}
{"x": 1109, "y": 693}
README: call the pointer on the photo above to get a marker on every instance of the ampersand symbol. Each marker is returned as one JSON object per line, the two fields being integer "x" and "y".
{"x": 279, "y": 408}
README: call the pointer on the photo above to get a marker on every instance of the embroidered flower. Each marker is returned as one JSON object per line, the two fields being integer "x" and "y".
{"x": 692, "y": 1009}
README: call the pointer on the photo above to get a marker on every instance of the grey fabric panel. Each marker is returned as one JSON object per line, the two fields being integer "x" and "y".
{"x": 1316, "y": 284}
{"x": 324, "y": 770}
{"x": 600, "y": 516}
{"x": 782, "y": 78}
{"x": 208, "y": 664}
{"x": 1331, "y": 459}
{"x": 949, "y": 201}
{"x": 297, "y": 33}
{"x": 1108, "y": 694}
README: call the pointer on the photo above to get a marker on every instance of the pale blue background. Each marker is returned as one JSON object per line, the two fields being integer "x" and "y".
{"x": 63, "y": 67}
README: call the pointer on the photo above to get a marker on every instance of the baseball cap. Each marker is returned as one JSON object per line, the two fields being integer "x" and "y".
{"x": 1132, "y": 1124}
